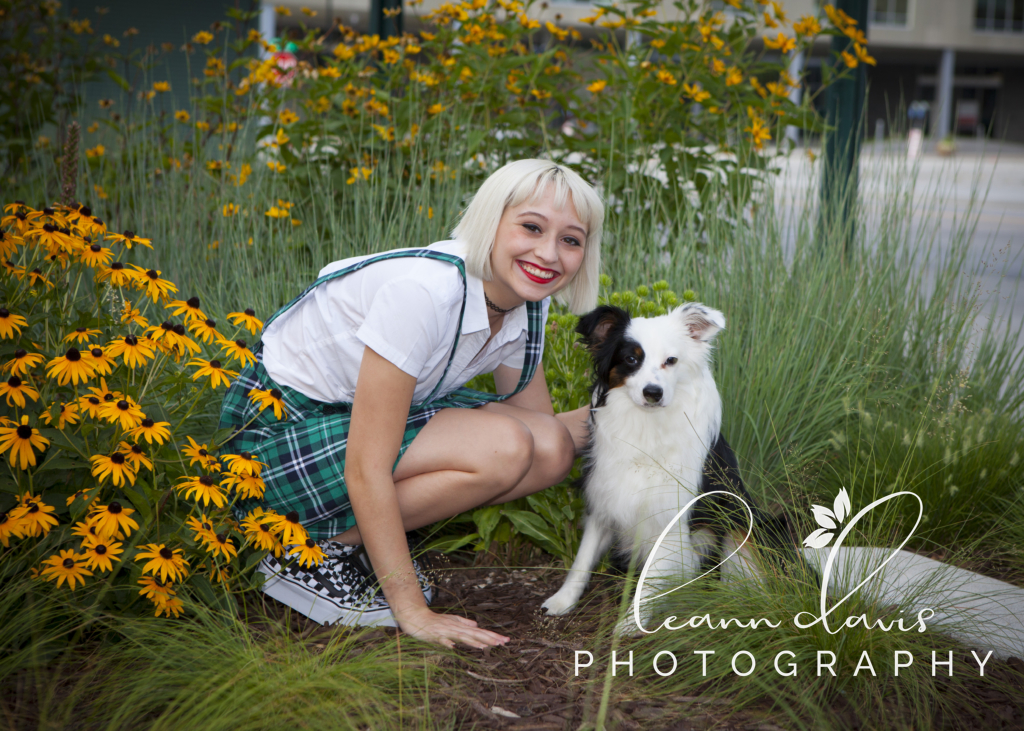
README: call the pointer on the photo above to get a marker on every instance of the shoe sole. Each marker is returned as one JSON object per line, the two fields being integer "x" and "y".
{"x": 297, "y": 595}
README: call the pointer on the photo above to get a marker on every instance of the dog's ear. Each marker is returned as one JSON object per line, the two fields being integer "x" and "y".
{"x": 701, "y": 323}
{"x": 595, "y": 326}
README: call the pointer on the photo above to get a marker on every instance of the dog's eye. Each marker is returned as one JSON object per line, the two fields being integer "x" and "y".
{"x": 630, "y": 360}
{"x": 672, "y": 361}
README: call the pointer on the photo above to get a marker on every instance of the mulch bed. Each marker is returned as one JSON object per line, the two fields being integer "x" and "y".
{"x": 529, "y": 682}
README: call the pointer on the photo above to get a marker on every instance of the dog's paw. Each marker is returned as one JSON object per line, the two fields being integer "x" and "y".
{"x": 558, "y": 604}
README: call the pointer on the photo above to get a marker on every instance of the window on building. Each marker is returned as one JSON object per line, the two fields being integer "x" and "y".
{"x": 889, "y": 12}
{"x": 1003, "y": 16}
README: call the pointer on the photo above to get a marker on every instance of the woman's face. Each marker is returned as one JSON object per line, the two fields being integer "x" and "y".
{"x": 537, "y": 251}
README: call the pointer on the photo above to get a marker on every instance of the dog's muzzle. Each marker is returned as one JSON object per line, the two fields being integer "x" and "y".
{"x": 653, "y": 394}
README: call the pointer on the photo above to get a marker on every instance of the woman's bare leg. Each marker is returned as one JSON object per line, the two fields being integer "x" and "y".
{"x": 465, "y": 458}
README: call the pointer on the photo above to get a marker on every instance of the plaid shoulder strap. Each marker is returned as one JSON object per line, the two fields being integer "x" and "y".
{"x": 534, "y": 333}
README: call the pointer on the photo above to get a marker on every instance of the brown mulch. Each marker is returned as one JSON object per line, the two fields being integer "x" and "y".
{"x": 529, "y": 683}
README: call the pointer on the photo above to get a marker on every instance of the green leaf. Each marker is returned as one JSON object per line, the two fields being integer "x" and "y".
{"x": 140, "y": 502}
{"x": 534, "y": 527}
{"x": 118, "y": 79}
{"x": 447, "y": 545}
{"x": 486, "y": 520}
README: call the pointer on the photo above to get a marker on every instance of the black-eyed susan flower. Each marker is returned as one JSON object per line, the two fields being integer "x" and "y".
{"x": 238, "y": 350}
{"x": 68, "y": 414}
{"x": 308, "y": 553}
{"x": 205, "y": 330}
{"x": 189, "y": 308}
{"x": 101, "y": 553}
{"x": 14, "y": 270}
{"x": 133, "y": 350}
{"x": 153, "y": 588}
{"x": 174, "y": 340}
{"x": 291, "y": 530}
{"x": 216, "y": 372}
{"x": 135, "y": 455}
{"x": 116, "y": 274}
{"x": 16, "y": 389}
{"x": 34, "y": 516}
{"x": 112, "y": 520}
{"x": 197, "y": 452}
{"x": 205, "y": 488}
{"x": 103, "y": 393}
{"x": 163, "y": 562}
{"x": 124, "y": 412}
{"x": 222, "y": 545}
{"x": 131, "y": 315}
{"x": 9, "y": 244}
{"x": 52, "y": 238}
{"x": 78, "y": 495}
{"x": 247, "y": 486}
{"x": 10, "y": 323}
{"x": 37, "y": 277}
{"x": 101, "y": 363}
{"x": 259, "y": 527}
{"x": 269, "y": 397}
{"x": 22, "y": 439}
{"x": 22, "y": 362}
{"x": 244, "y": 463}
{"x": 219, "y": 574}
{"x": 80, "y": 335}
{"x": 90, "y": 405}
{"x": 246, "y": 318}
{"x": 66, "y": 566}
{"x": 115, "y": 466}
{"x": 129, "y": 239}
{"x": 70, "y": 367}
{"x": 153, "y": 431}
{"x": 202, "y": 527}
{"x": 171, "y": 606}
{"x": 150, "y": 282}
{"x": 10, "y": 527}
{"x": 95, "y": 256}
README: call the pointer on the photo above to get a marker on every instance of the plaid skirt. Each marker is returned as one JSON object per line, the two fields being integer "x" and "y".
{"x": 304, "y": 452}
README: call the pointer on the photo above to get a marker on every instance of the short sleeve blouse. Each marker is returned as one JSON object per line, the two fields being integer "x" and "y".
{"x": 406, "y": 310}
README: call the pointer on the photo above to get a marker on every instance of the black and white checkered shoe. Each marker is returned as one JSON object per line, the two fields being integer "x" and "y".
{"x": 342, "y": 590}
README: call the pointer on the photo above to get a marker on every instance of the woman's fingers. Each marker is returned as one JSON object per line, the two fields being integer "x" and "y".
{"x": 448, "y": 629}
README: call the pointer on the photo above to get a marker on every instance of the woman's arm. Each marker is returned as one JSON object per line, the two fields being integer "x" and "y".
{"x": 380, "y": 408}
{"x": 536, "y": 397}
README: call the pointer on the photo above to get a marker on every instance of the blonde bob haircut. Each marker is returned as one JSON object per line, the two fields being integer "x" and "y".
{"x": 526, "y": 181}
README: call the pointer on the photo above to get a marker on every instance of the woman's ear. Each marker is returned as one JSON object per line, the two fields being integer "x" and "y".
{"x": 701, "y": 323}
{"x": 595, "y": 326}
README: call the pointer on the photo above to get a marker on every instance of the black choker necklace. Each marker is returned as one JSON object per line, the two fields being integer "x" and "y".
{"x": 495, "y": 307}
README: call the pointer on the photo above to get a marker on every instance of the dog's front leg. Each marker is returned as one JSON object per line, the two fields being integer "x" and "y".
{"x": 676, "y": 562}
{"x": 597, "y": 537}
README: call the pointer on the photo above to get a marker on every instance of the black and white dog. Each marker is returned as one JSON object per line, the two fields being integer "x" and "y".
{"x": 656, "y": 443}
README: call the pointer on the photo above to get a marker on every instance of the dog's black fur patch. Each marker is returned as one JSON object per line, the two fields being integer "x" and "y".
{"x": 615, "y": 356}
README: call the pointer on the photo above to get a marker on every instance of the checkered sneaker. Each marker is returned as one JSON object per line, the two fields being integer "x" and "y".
{"x": 342, "y": 590}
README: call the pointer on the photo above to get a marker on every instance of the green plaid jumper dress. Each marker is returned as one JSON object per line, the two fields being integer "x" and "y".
{"x": 304, "y": 452}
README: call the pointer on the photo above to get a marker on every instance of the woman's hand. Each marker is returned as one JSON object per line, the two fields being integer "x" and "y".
{"x": 446, "y": 629}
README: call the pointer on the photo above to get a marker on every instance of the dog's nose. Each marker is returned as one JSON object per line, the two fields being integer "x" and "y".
{"x": 653, "y": 394}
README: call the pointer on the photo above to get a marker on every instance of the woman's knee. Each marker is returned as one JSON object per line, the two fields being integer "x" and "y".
{"x": 512, "y": 451}
{"x": 554, "y": 450}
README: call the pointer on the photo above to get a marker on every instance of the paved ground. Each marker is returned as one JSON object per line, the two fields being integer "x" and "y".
{"x": 984, "y": 180}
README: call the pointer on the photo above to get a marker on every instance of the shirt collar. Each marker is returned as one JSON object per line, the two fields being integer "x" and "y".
{"x": 475, "y": 318}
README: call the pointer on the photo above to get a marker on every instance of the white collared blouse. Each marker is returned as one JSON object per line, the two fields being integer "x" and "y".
{"x": 406, "y": 310}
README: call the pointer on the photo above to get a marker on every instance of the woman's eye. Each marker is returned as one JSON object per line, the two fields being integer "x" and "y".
{"x": 571, "y": 241}
{"x": 672, "y": 361}
{"x": 531, "y": 227}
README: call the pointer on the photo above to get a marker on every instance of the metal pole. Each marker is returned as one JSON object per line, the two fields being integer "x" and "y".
{"x": 844, "y": 115}
{"x": 945, "y": 95}
{"x": 380, "y": 23}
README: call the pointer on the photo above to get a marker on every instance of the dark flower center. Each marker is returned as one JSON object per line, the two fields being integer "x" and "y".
{"x": 131, "y": 340}
{"x": 96, "y": 353}
{"x": 117, "y": 458}
{"x": 24, "y": 431}
{"x": 166, "y": 554}
{"x": 152, "y": 274}
{"x": 123, "y": 405}
{"x": 265, "y": 527}
{"x": 4, "y": 518}
{"x": 206, "y": 526}
{"x": 208, "y": 323}
{"x": 69, "y": 563}
{"x": 14, "y": 382}
{"x": 241, "y": 344}
{"x": 245, "y": 455}
{"x": 215, "y": 364}
{"x": 206, "y": 481}
{"x": 222, "y": 537}
{"x": 100, "y": 549}
{"x": 81, "y": 329}
{"x": 136, "y": 449}
{"x": 38, "y": 271}
{"x": 19, "y": 354}
{"x": 129, "y": 234}
{"x": 203, "y": 453}
{"x": 108, "y": 396}
{"x": 276, "y": 393}
{"x": 250, "y": 312}
{"x": 94, "y": 401}
{"x": 193, "y": 302}
{"x": 4, "y": 312}
{"x": 33, "y": 507}
{"x": 117, "y": 266}
{"x": 167, "y": 326}
{"x": 310, "y": 543}
{"x": 114, "y": 507}
{"x": 179, "y": 329}
{"x": 49, "y": 228}
{"x": 66, "y": 231}
{"x": 292, "y": 517}
{"x": 85, "y": 211}
{"x": 95, "y": 248}
{"x": 73, "y": 355}
{"x": 158, "y": 582}
{"x": 47, "y": 211}
{"x": 148, "y": 423}
{"x": 98, "y": 221}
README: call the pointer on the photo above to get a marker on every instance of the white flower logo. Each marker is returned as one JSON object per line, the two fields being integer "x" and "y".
{"x": 829, "y": 520}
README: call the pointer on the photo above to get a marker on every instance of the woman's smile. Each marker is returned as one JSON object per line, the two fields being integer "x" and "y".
{"x": 537, "y": 273}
